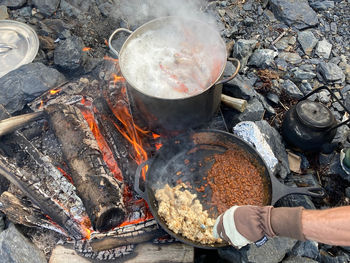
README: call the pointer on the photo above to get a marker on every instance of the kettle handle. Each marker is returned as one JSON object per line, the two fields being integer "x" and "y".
{"x": 335, "y": 97}
{"x": 111, "y": 38}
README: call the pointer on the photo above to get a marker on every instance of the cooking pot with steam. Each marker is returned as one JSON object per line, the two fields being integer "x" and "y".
{"x": 173, "y": 69}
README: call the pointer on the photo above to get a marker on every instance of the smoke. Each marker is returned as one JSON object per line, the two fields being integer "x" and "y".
{"x": 137, "y": 12}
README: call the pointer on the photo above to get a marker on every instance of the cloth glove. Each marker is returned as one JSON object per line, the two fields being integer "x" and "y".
{"x": 242, "y": 225}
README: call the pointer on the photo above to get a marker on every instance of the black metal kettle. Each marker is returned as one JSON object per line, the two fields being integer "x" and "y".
{"x": 311, "y": 126}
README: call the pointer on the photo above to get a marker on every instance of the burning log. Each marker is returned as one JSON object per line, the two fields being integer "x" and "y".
{"x": 100, "y": 192}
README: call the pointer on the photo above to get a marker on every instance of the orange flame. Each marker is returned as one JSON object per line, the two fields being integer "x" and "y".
{"x": 102, "y": 145}
{"x": 69, "y": 178}
{"x": 130, "y": 131}
{"x": 117, "y": 78}
{"x": 54, "y": 91}
{"x": 109, "y": 58}
{"x": 86, "y": 49}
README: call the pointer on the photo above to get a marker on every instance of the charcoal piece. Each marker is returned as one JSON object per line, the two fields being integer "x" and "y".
{"x": 99, "y": 191}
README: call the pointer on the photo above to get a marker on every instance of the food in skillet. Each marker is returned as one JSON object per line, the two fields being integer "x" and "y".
{"x": 235, "y": 180}
{"x": 184, "y": 214}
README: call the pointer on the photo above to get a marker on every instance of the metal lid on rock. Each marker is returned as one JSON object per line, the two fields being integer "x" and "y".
{"x": 19, "y": 45}
{"x": 314, "y": 114}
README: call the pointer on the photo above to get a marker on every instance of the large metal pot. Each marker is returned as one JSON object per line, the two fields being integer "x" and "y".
{"x": 163, "y": 114}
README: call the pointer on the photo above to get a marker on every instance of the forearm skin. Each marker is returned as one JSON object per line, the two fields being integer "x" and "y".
{"x": 330, "y": 226}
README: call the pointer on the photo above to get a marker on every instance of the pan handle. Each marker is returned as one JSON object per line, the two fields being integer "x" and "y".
{"x": 280, "y": 190}
{"x": 138, "y": 178}
{"x": 111, "y": 38}
{"x": 238, "y": 66}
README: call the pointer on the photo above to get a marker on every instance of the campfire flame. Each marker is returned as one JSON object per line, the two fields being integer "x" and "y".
{"x": 102, "y": 144}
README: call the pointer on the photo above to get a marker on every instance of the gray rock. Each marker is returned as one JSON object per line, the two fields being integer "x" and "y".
{"x": 334, "y": 28}
{"x": 296, "y": 259}
{"x": 307, "y": 41}
{"x": 330, "y": 72}
{"x": 254, "y": 112}
{"x": 305, "y": 87}
{"x": 347, "y": 192}
{"x": 229, "y": 69}
{"x": 14, "y": 247}
{"x": 69, "y": 54}
{"x": 292, "y": 89}
{"x": 273, "y": 251}
{"x": 299, "y": 75}
{"x": 281, "y": 64}
{"x": 273, "y": 97}
{"x": 46, "y": 7}
{"x": 13, "y": 3}
{"x": 262, "y": 58}
{"x": 248, "y": 21}
{"x": 296, "y": 13}
{"x": 25, "y": 11}
{"x": 243, "y": 49}
{"x": 283, "y": 43}
{"x": 3, "y": 12}
{"x": 269, "y": 109}
{"x": 24, "y": 84}
{"x": 2, "y": 222}
{"x": 239, "y": 87}
{"x": 274, "y": 139}
{"x": 270, "y": 16}
{"x": 331, "y": 165}
{"x": 76, "y": 7}
{"x": 307, "y": 249}
{"x": 321, "y": 5}
{"x": 341, "y": 257}
{"x": 324, "y": 96}
{"x": 323, "y": 49}
{"x": 290, "y": 57}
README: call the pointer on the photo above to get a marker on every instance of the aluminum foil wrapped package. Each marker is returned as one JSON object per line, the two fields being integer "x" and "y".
{"x": 250, "y": 133}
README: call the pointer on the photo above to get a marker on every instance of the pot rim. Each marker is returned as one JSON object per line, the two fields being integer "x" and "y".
{"x": 169, "y": 18}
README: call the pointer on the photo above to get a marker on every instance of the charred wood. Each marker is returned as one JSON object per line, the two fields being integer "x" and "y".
{"x": 99, "y": 191}
{"x": 31, "y": 189}
{"x": 48, "y": 178}
{"x": 119, "y": 145}
{"x": 131, "y": 234}
{"x": 21, "y": 211}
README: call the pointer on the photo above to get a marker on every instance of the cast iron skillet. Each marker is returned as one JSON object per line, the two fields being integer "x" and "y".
{"x": 192, "y": 154}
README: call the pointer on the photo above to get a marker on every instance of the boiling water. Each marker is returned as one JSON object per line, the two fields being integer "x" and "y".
{"x": 174, "y": 61}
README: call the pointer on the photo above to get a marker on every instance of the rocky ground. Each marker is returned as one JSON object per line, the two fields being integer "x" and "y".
{"x": 287, "y": 49}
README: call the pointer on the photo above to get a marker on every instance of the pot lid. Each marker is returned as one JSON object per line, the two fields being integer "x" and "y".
{"x": 314, "y": 114}
{"x": 19, "y": 45}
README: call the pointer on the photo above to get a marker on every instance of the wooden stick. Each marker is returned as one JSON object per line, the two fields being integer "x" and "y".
{"x": 237, "y": 104}
{"x": 11, "y": 124}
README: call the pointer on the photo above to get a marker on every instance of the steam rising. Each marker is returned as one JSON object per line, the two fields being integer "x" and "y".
{"x": 176, "y": 57}
{"x": 173, "y": 58}
{"x": 137, "y": 12}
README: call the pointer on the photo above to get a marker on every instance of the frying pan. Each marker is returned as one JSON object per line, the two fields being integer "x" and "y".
{"x": 189, "y": 157}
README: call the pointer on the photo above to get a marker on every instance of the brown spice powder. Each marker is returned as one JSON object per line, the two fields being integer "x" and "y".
{"x": 235, "y": 180}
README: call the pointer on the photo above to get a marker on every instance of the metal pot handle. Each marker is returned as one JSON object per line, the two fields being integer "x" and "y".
{"x": 138, "y": 177}
{"x": 111, "y": 38}
{"x": 238, "y": 66}
{"x": 280, "y": 190}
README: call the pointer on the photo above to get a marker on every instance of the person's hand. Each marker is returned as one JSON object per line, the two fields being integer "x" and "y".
{"x": 242, "y": 225}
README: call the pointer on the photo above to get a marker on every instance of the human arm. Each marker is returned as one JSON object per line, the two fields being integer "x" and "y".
{"x": 248, "y": 224}
{"x": 329, "y": 226}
